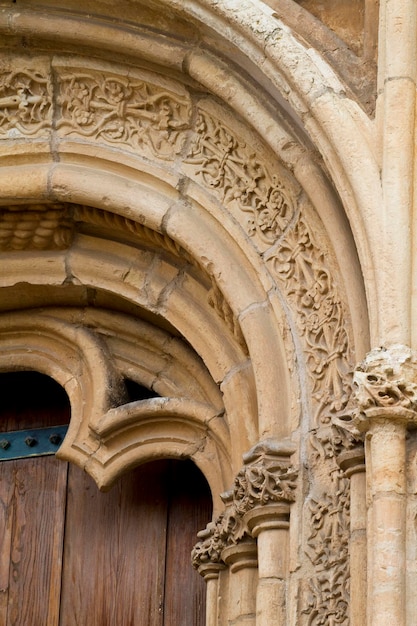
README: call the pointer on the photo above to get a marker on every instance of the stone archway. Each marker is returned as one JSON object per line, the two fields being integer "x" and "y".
{"x": 158, "y": 193}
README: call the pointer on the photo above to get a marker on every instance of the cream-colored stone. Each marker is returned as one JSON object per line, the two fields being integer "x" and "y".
{"x": 197, "y": 196}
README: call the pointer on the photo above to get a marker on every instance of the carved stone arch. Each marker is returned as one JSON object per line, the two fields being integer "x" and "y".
{"x": 287, "y": 322}
{"x": 71, "y": 355}
{"x": 106, "y": 436}
{"x": 229, "y": 274}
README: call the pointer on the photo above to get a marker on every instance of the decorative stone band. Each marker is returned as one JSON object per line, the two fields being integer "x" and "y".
{"x": 262, "y": 493}
{"x": 384, "y": 387}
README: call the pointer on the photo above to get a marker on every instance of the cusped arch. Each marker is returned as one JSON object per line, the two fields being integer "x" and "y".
{"x": 105, "y": 436}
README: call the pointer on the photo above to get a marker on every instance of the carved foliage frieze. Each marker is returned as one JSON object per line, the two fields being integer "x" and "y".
{"x": 328, "y": 549}
{"x": 25, "y": 103}
{"x": 123, "y": 111}
{"x": 229, "y": 166}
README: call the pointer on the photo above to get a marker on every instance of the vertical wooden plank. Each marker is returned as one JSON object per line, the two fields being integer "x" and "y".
{"x": 6, "y": 519}
{"x": 114, "y": 550}
{"x": 37, "y": 507}
{"x": 190, "y": 509}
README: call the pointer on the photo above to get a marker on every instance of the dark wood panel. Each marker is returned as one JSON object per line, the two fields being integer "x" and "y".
{"x": 190, "y": 509}
{"x": 115, "y": 550}
{"x": 6, "y": 530}
{"x": 36, "y": 511}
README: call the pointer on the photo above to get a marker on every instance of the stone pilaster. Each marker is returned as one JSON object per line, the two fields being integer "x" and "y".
{"x": 386, "y": 404}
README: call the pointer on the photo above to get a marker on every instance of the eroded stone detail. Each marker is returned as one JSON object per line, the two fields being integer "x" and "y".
{"x": 36, "y": 227}
{"x": 387, "y": 378}
{"x": 122, "y": 110}
{"x": 265, "y": 478}
{"x": 228, "y": 165}
{"x": 25, "y": 103}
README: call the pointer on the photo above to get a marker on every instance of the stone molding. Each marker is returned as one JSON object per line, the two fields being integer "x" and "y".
{"x": 262, "y": 493}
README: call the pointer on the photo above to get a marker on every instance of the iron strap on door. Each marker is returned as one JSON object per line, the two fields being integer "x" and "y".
{"x": 19, "y": 444}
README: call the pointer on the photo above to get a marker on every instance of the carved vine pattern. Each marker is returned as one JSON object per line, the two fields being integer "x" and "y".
{"x": 301, "y": 266}
{"x": 328, "y": 550}
{"x": 25, "y": 103}
{"x": 231, "y": 167}
{"x": 121, "y": 110}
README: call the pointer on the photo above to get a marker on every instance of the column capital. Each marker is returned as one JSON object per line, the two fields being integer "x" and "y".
{"x": 384, "y": 388}
{"x": 265, "y": 485}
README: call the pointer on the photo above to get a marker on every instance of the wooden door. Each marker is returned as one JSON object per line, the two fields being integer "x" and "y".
{"x": 70, "y": 555}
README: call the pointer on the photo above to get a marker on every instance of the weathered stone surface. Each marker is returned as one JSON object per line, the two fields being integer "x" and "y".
{"x": 214, "y": 199}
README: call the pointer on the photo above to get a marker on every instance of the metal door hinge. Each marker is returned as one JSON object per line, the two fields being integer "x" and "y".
{"x": 20, "y": 444}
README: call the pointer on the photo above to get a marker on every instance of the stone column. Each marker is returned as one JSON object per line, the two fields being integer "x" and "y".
{"x": 258, "y": 508}
{"x": 264, "y": 489}
{"x": 242, "y": 561}
{"x": 386, "y": 397}
{"x": 352, "y": 462}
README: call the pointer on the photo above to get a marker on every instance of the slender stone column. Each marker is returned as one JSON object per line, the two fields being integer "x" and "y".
{"x": 264, "y": 489}
{"x": 386, "y": 397}
{"x": 270, "y": 525}
{"x": 352, "y": 462}
{"x": 242, "y": 561}
{"x": 258, "y": 508}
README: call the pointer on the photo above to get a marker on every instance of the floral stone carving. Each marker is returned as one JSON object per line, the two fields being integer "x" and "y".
{"x": 301, "y": 266}
{"x": 25, "y": 103}
{"x": 123, "y": 110}
{"x": 328, "y": 550}
{"x": 228, "y": 165}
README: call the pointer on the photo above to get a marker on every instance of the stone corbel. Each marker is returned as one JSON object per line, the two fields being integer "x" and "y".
{"x": 385, "y": 399}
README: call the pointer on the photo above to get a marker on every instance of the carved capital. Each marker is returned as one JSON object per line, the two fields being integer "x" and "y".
{"x": 266, "y": 477}
{"x": 385, "y": 386}
{"x": 263, "y": 489}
